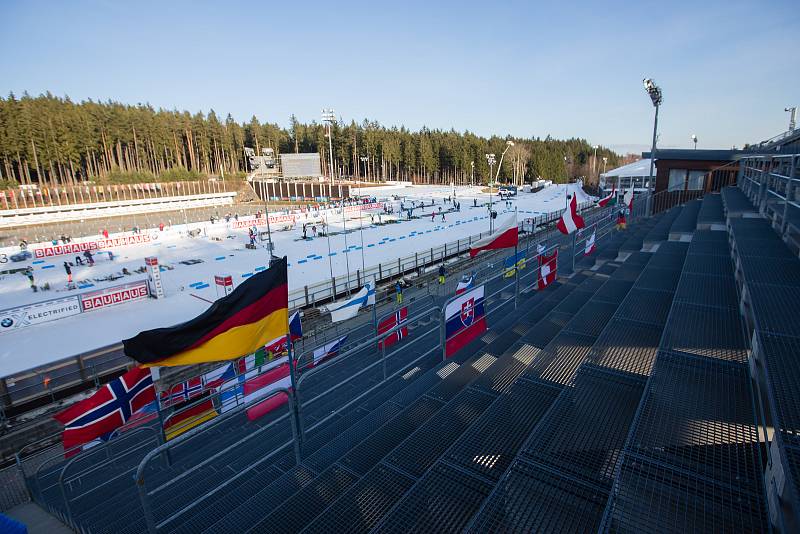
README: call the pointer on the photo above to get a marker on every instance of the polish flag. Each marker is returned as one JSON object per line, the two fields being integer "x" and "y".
{"x": 570, "y": 220}
{"x": 506, "y": 235}
{"x": 590, "y": 246}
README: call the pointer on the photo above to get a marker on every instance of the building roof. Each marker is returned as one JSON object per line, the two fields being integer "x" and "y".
{"x": 691, "y": 154}
{"x": 637, "y": 168}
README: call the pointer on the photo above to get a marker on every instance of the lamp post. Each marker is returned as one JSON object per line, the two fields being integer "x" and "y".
{"x": 594, "y": 164}
{"x": 472, "y": 178}
{"x": 694, "y": 139}
{"x": 364, "y": 160}
{"x": 329, "y": 117}
{"x": 654, "y": 92}
{"x": 490, "y": 160}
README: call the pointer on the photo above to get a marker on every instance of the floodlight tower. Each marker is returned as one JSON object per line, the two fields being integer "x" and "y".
{"x": 694, "y": 140}
{"x": 329, "y": 117}
{"x": 654, "y": 92}
{"x": 792, "y": 117}
{"x": 490, "y": 160}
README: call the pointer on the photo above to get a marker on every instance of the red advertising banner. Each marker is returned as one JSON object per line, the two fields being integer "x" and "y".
{"x": 114, "y": 295}
{"x": 73, "y": 248}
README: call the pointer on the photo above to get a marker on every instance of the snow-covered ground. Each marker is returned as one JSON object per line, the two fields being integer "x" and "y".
{"x": 222, "y": 251}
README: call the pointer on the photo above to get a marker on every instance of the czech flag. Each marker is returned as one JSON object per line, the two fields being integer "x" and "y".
{"x": 570, "y": 220}
{"x": 254, "y": 314}
{"x": 465, "y": 284}
{"x": 506, "y": 235}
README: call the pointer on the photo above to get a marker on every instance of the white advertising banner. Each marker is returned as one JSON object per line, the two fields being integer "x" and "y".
{"x": 114, "y": 295}
{"x": 41, "y": 312}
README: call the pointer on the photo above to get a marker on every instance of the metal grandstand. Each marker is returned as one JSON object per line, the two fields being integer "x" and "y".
{"x": 653, "y": 387}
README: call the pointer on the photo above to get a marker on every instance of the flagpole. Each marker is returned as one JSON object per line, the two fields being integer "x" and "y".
{"x": 516, "y": 262}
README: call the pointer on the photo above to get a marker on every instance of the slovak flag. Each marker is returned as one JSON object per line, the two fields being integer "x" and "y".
{"x": 570, "y": 220}
{"x": 464, "y": 284}
{"x": 506, "y": 235}
{"x": 398, "y": 318}
{"x": 548, "y": 269}
{"x": 590, "y": 246}
{"x": 108, "y": 409}
{"x": 465, "y": 320}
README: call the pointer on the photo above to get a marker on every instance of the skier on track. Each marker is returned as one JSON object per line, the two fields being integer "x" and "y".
{"x": 29, "y": 274}
{"x": 68, "y": 270}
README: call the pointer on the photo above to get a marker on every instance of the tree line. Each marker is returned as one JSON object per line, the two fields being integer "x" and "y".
{"x": 53, "y": 141}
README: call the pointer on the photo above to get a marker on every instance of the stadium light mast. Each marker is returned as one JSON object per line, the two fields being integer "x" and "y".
{"x": 655, "y": 96}
{"x": 594, "y": 163}
{"x": 792, "y": 117}
{"x": 472, "y": 176}
{"x": 329, "y": 117}
{"x": 490, "y": 160}
{"x": 694, "y": 140}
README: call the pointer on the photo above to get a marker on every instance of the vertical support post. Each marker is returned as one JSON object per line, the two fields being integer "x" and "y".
{"x": 574, "y": 238}
{"x": 443, "y": 331}
{"x": 163, "y": 436}
{"x": 294, "y": 403}
{"x": 788, "y": 193}
{"x": 516, "y": 276}
{"x": 147, "y": 511}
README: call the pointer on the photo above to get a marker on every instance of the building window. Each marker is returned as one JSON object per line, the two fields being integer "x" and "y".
{"x": 677, "y": 179}
{"x": 697, "y": 180}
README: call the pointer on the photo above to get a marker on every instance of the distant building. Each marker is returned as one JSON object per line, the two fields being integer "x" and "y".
{"x": 305, "y": 165}
{"x": 621, "y": 177}
{"x": 694, "y": 170}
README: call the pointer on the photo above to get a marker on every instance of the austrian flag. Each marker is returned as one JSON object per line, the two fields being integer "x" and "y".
{"x": 570, "y": 220}
{"x": 506, "y": 235}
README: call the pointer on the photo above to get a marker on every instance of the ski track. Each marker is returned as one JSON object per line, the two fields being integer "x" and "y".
{"x": 308, "y": 264}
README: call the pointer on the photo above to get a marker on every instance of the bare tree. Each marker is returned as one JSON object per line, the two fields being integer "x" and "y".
{"x": 518, "y": 156}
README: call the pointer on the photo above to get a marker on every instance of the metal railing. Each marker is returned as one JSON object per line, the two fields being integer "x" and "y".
{"x": 293, "y": 395}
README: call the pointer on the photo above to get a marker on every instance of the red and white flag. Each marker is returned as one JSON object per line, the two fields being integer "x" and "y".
{"x": 261, "y": 386}
{"x": 108, "y": 409}
{"x": 548, "y": 269}
{"x": 609, "y": 200}
{"x": 506, "y": 235}
{"x": 590, "y": 246}
{"x": 398, "y": 318}
{"x": 628, "y": 198}
{"x": 570, "y": 220}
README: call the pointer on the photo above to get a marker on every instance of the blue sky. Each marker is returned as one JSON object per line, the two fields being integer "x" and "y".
{"x": 521, "y": 68}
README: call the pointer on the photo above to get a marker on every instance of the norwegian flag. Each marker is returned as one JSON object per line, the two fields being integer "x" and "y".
{"x": 398, "y": 318}
{"x": 182, "y": 392}
{"x": 548, "y": 269}
{"x": 108, "y": 409}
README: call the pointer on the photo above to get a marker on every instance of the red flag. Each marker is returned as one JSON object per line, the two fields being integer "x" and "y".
{"x": 570, "y": 220}
{"x": 396, "y": 319}
{"x": 505, "y": 236}
{"x": 548, "y": 269}
{"x": 108, "y": 409}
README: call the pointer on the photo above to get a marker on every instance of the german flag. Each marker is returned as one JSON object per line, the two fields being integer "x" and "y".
{"x": 254, "y": 314}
